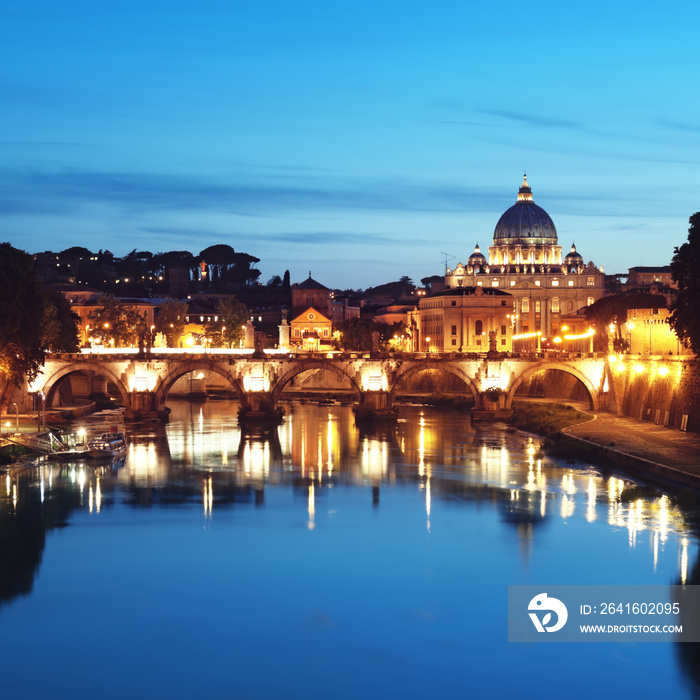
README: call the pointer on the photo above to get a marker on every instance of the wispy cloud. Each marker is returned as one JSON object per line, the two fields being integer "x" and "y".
{"x": 533, "y": 119}
{"x": 29, "y": 190}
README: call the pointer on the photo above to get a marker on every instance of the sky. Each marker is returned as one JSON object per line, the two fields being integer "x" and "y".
{"x": 359, "y": 141}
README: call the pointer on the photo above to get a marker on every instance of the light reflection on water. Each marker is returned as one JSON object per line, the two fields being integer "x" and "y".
{"x": 392, "y": 548}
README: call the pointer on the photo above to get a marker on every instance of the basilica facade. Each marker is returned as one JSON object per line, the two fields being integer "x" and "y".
{"x": 526, "y": 261}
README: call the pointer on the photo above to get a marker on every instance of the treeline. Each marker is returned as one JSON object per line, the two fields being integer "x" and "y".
{"x": 218, "y": 267}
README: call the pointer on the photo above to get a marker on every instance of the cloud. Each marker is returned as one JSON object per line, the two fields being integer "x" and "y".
{"x": 31, "y": 190}
{"x": 680, "y": 126}
{"x": 533, "y": 119}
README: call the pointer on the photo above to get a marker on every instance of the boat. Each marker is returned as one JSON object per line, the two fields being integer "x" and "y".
{"x": 107, "y": 446}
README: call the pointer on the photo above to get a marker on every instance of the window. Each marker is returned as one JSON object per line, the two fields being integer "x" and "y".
{"x": 478, "y": 329}
{"x": 590, "y": 281}
{"x": 589, "y": 301}
{"x": 503, "y": 341}
{"x": 503, "y": 330}
{"x": 325, "y": 332}
{"x": 555, "y": 305}
{"x": 503, "y": 303}
{"x": 454, "y": 303}
{"x": 454, "y": 330}
{"x": 525, "y": 306}
{"x": 537, "y": 307}
{"x": 555, "y": 283}
{"x": 309, "y": 301}
{"x": 478, "y": 342}
{"x": 454, "y": 341}
{"x": 494, "y": 282}
{"x": 537, "y": 283}
{"x": 512, "y": 283}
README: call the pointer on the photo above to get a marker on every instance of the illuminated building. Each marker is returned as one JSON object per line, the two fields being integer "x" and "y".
{"x": 312, "y": 331}
{"x": 526, "y": 261}
{"x": 462, "y": 320}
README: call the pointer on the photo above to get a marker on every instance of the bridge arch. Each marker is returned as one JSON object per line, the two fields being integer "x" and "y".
{"x": 51, "y": 383}
{"x": 175, "y": 371}
{"x": 450, "y": 368}
{"x": 563, "y": 367}
{"x": 304, "y": 365}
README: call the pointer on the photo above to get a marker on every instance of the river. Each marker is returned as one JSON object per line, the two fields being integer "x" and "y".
{"x": 323, "y": 561}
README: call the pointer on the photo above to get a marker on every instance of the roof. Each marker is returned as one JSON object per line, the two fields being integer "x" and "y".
{"x": 469, "y": 291}
{"x": 310, "y": 283}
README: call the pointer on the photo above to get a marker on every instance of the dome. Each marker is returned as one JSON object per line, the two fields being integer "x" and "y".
{"x": 573, "y": 258}
{"x": 477, "y": 257}
{"x": 525, "y": 223}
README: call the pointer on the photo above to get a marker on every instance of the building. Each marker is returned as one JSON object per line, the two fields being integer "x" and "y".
{"x": 526, "y": 261}
{"x": 464, "y": 320}
{"x": 645, "y": 277}
{"x": 311, "y": 331}
{"x": 311, "y": 293}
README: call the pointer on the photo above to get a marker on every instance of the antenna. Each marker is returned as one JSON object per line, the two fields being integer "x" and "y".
{"x": 448, "y": 257}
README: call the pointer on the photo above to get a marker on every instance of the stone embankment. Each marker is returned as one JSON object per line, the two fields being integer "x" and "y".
{"x": 641, "y": 448}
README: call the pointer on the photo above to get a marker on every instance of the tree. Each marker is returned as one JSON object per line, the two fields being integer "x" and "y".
{"x": 227, "y": 330}
{"x": 115, "y": 323}
{"x": 59, "y": 329}
{"x": 356, "y": 333}
{"x": 21, "y": 314}
{"x": 685, "y": 269}
{"x": 171, "y": 320}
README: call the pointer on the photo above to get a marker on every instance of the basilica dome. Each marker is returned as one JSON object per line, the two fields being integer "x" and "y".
{"x": 525, "y": 223}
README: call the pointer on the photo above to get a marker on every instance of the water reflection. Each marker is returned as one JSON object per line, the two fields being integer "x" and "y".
{"x": 484, "y": 491}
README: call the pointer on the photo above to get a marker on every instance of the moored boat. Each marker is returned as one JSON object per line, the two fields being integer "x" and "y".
{"x": 107, "y": 446}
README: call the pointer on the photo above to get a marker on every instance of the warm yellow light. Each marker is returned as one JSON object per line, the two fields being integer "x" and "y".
{"x": 639, "y": 368}
{"x": 663, "y": 371}
{"x": 620, "y": 367}
{"x": 564, "y": 328}
{"x": 557, "y": 339}
{"x": 630, "y": 325}
{"x": 587, "y": 334}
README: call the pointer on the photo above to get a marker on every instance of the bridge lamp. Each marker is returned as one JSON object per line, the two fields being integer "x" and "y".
{"x": 639, "y": 369}
{"x": 620, "y": 367}
{"x": 663, "y": 371}
{"x": 557, "y": 340}
{"x": 564, "y": 329}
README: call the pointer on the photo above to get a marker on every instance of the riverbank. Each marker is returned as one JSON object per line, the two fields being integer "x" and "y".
{"x": 643, "y": 450}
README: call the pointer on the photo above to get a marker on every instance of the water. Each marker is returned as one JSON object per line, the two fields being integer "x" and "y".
{"x": 323, "y": 563}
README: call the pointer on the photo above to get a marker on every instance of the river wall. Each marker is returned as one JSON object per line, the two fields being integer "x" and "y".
{"x": 662, "y": 390}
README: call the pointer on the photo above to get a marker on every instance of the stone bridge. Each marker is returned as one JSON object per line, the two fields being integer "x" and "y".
{"x": 145, "y": 380}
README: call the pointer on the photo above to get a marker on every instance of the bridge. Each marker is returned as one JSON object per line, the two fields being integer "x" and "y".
{"x": 258, "y": 379}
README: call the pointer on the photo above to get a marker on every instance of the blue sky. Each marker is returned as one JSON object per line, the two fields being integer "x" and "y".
{"x": 359, "y": 140}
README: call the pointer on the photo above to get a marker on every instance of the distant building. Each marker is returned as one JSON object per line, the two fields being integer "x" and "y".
{"x": 646, "y": 277}
{"x": 311, "y": 293}
{"x": 526, "y": 261}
